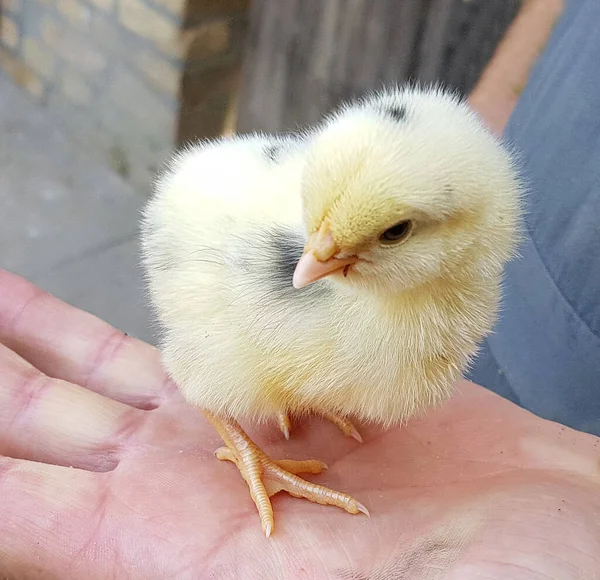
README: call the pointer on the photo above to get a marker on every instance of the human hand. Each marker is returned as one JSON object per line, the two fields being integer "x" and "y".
{"x": 106, "y": 472}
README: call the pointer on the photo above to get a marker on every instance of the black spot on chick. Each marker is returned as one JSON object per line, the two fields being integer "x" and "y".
{"x": 272, "y": 152}
{"x": 288, "y": 250}
{"x": 396, "y": 112}
{"x": 284, "y": 247}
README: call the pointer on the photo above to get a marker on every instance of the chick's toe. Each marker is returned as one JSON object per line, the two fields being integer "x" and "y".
{"x": 345, "y": 426}
{"x": 284, "y": 424}
{"x": 266, "y": 477}
{"x": 291, "y": 465}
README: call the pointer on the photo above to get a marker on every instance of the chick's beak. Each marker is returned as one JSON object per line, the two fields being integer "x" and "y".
{"x": 318, "y": 259}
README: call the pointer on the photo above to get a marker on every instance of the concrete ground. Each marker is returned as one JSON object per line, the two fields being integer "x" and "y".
{"x": 67, "y": 222}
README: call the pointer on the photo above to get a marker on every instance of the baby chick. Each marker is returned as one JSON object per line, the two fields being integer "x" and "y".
{"x": 349, "y": 271}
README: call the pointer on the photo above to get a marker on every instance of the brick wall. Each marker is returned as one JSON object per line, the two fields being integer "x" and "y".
{"x": 130, "y": 79}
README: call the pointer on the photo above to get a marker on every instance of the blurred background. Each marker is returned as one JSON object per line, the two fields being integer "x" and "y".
{"x": 95, "y": 95}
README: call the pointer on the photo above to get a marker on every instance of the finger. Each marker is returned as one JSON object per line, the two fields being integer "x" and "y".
{"x": 48, "y": 516}
{"x": 70, "y": 344}
{"x": 51, "y": 420}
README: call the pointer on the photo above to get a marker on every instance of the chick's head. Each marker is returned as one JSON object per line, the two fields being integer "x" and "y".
{"x": 405, "y": 187}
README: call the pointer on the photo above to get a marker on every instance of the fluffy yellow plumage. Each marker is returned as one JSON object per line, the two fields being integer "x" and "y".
{"x": 404, "y": 210}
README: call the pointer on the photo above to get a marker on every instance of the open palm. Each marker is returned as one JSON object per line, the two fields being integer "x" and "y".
{"x": 107, "y": 473}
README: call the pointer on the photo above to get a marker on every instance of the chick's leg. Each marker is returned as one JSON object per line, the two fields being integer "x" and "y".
{"x": 266, "y": 477}
{"x": 345, "y": 426}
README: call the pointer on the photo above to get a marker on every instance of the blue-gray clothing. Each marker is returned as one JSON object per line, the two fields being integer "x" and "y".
{"x": 545, "y": 351}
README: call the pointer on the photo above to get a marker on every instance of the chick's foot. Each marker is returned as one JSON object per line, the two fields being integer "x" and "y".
{"x": 345, "y": 426}
{"x": 266, "y": 477}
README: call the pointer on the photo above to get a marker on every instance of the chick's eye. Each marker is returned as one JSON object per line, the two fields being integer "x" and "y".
{"x": 396, "y": 233}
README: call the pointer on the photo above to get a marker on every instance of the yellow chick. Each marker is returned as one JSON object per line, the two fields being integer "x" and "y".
{"x": 349, "y": 271}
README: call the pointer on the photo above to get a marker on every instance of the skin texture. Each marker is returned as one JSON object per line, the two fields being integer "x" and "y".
{"x": 478, "y": 489}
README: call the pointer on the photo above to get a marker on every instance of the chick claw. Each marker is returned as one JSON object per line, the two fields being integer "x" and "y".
{"x": 266, "y": 477}
{"x": 345, "y": 426}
